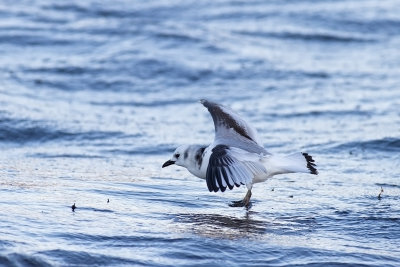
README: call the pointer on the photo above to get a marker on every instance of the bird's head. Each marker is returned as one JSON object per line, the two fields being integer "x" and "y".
{"x": 179, "y": 157}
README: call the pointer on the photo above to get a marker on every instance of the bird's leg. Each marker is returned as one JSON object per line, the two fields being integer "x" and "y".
{"x": 246, "y": 199}
{"x": 245, "y": 202}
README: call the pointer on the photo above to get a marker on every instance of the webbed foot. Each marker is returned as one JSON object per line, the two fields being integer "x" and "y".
{"x": 243, "y": 203}
{"x": 239, "y": 203}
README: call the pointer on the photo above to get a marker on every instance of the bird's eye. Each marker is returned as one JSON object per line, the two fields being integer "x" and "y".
{"x": 177, "y": 155}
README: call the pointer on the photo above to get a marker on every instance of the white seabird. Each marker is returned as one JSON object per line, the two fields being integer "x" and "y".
{"x": 236, "y": 157}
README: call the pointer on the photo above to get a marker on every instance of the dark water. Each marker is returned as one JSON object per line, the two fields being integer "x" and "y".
{"x": 95, "y": 95}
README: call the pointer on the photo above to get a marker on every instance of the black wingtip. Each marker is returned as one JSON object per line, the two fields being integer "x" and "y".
{"x": 204, "y": 102}
{"x": 208, "y": 103}
{"x": 310, "y": 163}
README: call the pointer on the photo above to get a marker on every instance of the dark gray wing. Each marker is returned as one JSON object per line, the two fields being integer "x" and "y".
{"x": 225, "y": 170}
{"x": 232, "y": 130}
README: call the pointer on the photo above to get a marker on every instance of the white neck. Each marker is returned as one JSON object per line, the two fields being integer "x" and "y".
{"x": 197, "y": 161}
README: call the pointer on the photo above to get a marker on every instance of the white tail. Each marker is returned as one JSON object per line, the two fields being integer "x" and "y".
{"x": 296, "y": 162}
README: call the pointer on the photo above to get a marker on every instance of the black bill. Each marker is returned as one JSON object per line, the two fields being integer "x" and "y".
{"x": 167, "y": 163}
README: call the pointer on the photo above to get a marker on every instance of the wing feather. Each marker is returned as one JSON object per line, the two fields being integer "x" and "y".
{"x": 232, "y": 130}
{"x": 225, "y": 170}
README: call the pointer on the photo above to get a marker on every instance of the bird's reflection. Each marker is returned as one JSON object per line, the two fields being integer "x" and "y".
{"x": 223, "y": 226}
{"x": 230, "y": 226}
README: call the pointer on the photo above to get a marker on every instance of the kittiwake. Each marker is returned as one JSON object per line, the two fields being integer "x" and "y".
{"x": 236, "y": 157}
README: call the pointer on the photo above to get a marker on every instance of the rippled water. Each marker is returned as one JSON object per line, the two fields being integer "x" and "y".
{"x": 94, "y": 96}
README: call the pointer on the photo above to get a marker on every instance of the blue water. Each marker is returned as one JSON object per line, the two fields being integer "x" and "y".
{"x": 95, "y": 96}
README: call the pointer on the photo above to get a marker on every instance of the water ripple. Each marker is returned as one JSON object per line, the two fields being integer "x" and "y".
{"x": 96, "y": 95}
{"x": 387, "y": 144}
{"x": 309, "y": 36}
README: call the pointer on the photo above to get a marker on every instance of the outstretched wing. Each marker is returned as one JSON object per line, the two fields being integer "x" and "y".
{"x": 225, "y": 169}
{"x": 232, "y": 130}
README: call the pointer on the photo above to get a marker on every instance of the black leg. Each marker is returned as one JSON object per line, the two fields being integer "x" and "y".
{"x": 246, "y": 199}
{"x": 245, "y": 202}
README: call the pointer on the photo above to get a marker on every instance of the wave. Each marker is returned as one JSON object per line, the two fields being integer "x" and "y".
{"x": 24, "y": 131}
{"x": 20, "y": 259}
{"x": 141, "y": 10}
{"x": 154, "y": 71}
{"x": 80, "y": 156}
{"x": 24, "y": 39}
{"x": 382, "y": 26}
{"x": 387, "y": 144}
{"x": 117, "y": 240}
{"x": 154, "y": 103}
{"x": 186, "y": 38}
{"x": 82, "y": 258}
{"x": 63, "y": 70}
{"x": 320, "y": 113}
{"x": 78, "y": 83}
{"x": 388, "y": 185}
{"x": 147, "y": 150}
{"x": 309, "y": 36}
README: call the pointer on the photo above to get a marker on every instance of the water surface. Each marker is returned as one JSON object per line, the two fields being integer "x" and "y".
{"x": 95, "y": 96}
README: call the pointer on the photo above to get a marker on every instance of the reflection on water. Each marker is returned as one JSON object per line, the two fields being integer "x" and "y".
{"x": 250, "y": 225}
{"x": 222, "y": 226}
